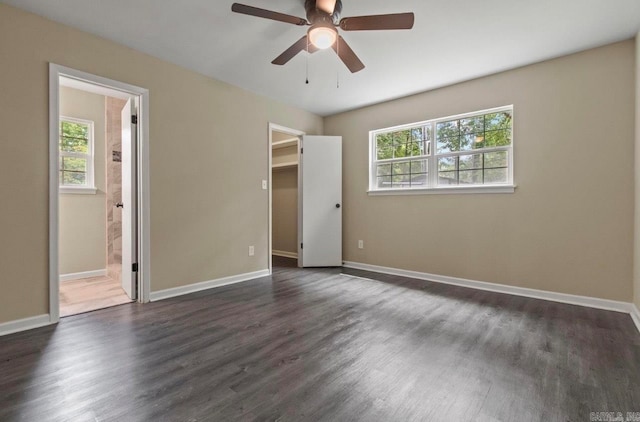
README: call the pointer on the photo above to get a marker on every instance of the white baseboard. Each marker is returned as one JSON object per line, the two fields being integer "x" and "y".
{"x": 84, "y": 274}
{"x": 24, "y": 324}
{"x": 591, "y": 302}
{"x": 635, "y": 315}
{"x": 196, "y": 287}
{"x": 285, "y": 254}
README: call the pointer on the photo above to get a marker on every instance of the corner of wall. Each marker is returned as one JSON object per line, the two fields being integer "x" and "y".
{"x": 636, "y": 247}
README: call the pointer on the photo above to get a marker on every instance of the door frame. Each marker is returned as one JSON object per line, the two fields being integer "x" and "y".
{"x": 293, "y": 132}
{"x": 141, "y": 96}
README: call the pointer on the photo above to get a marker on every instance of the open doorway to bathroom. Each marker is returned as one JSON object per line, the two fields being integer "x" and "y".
{"x": 90, "y": 198}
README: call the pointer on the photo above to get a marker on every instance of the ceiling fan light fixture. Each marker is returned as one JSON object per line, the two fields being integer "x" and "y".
{"x": 323, "y": 36}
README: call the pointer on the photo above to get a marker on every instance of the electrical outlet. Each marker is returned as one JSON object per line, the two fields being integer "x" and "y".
{"x": 264, "y": 184}
{"x": 252, "y": 250}
{"x": 360, "y": 244}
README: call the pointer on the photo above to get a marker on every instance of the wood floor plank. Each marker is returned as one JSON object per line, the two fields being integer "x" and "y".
{"x": 329, "y": 345}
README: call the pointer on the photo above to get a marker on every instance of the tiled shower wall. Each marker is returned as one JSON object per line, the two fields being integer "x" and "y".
{"x": 114, "y": 187}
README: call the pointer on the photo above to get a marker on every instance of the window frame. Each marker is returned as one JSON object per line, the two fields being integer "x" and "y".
{"x": 432, "y": 160}
{"x": 89, "y": 187}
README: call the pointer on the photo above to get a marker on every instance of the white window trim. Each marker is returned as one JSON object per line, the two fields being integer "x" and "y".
{"x": 508, "y": 187}
{"x": 90, "y": 187}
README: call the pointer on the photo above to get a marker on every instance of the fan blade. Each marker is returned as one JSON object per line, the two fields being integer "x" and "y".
{"x": 326, "y": 5}
{"x": 290, "y": 53}
{"x": 375, "y": 22}
{"x": 347, "y": 55}
{"x": 267, "y": 14}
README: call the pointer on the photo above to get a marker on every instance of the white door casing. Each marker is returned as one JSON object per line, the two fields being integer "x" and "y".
{"x": 321, "y": 170}
{"x": 129, "y": 200}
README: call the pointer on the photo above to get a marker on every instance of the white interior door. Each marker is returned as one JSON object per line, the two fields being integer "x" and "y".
{"x": 129, "y": 201}
{"x": 321, "y": 171}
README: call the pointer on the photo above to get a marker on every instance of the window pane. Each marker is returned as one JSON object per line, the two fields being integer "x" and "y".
{"x": 447, "y": 178}
{"x": 472, "y": 125}
{"x": 445, "y": 145}
{"x": 74, "y": 164}
{"x": 468, "y": 142}
{"x": 418, "y": 148}
{"x": 470, "y": 177}
{"x": 501, "y": 120}
{"x": 384, "y": 140}
{"x": 497, "y": 138}
{"x": 384, "y": 170}
{"x": 74, "y": 137}
{"x": 400, "y": 168}
{"x": 401, "y": 150}
{"x": 426, "y": 133}
{"x": 447, "y": 163}
{"x": 74, "y": 145}
{"x": 74, "y": 130}
{"x": 401, "y": 137}
{"x": 496, "y": 159}
{"x": 74, "y": 178}
{"x": 470, "y": 162}
{"x": 384, "y": 182}
{"x": 385, "y": 153}
{"x": 419, "y": 180}
{"x": 402, "y": 181}
{"x": 417, "y": 134}
{"x": 495, "y": 176}
{"x": 419, "y": 166}
{"x": 447, "y": 129}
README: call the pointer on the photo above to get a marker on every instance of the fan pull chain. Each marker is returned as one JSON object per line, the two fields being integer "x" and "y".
{"x": 338, "y": 70}
{"x": 307, "y": 61}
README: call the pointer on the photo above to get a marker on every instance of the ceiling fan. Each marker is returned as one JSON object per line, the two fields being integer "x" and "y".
{"x": 323, "y": 17}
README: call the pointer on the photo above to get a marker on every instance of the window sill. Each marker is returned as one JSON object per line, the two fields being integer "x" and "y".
{"x": 77, "y": 190}
{"x": 445, "y": 191}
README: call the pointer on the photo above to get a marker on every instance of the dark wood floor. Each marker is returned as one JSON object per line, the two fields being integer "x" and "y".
{"x": 318, "y": 345}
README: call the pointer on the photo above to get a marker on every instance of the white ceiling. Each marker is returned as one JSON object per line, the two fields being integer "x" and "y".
{"x": 452, "y": 41}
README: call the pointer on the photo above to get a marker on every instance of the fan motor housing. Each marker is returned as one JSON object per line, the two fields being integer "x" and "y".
{"x": 314, "y": 14}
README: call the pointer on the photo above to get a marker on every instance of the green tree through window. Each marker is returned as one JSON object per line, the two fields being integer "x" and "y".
{"x": 75, "y": 153}
{"x": 471, "y": 150}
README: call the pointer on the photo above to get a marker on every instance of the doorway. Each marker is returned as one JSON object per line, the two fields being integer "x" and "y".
{"x": 305, "y": 198}
{"x": 90, "y": 199}
{"x": 284, "y": 203}
{"x": 98, "y": 193}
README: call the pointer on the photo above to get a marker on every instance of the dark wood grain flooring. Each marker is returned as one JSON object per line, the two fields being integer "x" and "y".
{"x": 317, "y": 345}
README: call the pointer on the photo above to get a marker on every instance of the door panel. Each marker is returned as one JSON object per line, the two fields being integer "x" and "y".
{"x": 321, "y": 168}
{"x": 129, "y": 201}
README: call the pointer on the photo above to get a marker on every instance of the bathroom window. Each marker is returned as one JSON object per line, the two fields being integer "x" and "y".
{"x": 76, "y": 165}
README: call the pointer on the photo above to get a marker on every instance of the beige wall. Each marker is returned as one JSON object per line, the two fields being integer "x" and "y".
{"x": 636, "y": 260}
{"x": 565, "y": 229}
{"x": 83, "y": 217}
{"x": 285, "y": 210}
{"x": 208, "y": 148}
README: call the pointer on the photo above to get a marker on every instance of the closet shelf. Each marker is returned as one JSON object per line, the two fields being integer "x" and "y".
{"x": 284, "y": 165}
{"x": 286, "y": 143}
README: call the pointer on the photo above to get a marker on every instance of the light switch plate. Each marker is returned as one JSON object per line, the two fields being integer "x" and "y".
{"x": 252, "y": 250}
{"x": 264, "y": 184}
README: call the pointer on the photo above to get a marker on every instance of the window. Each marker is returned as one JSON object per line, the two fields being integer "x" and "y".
{"x": 471, "y": 152}
{"x": 76, "y": 156}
